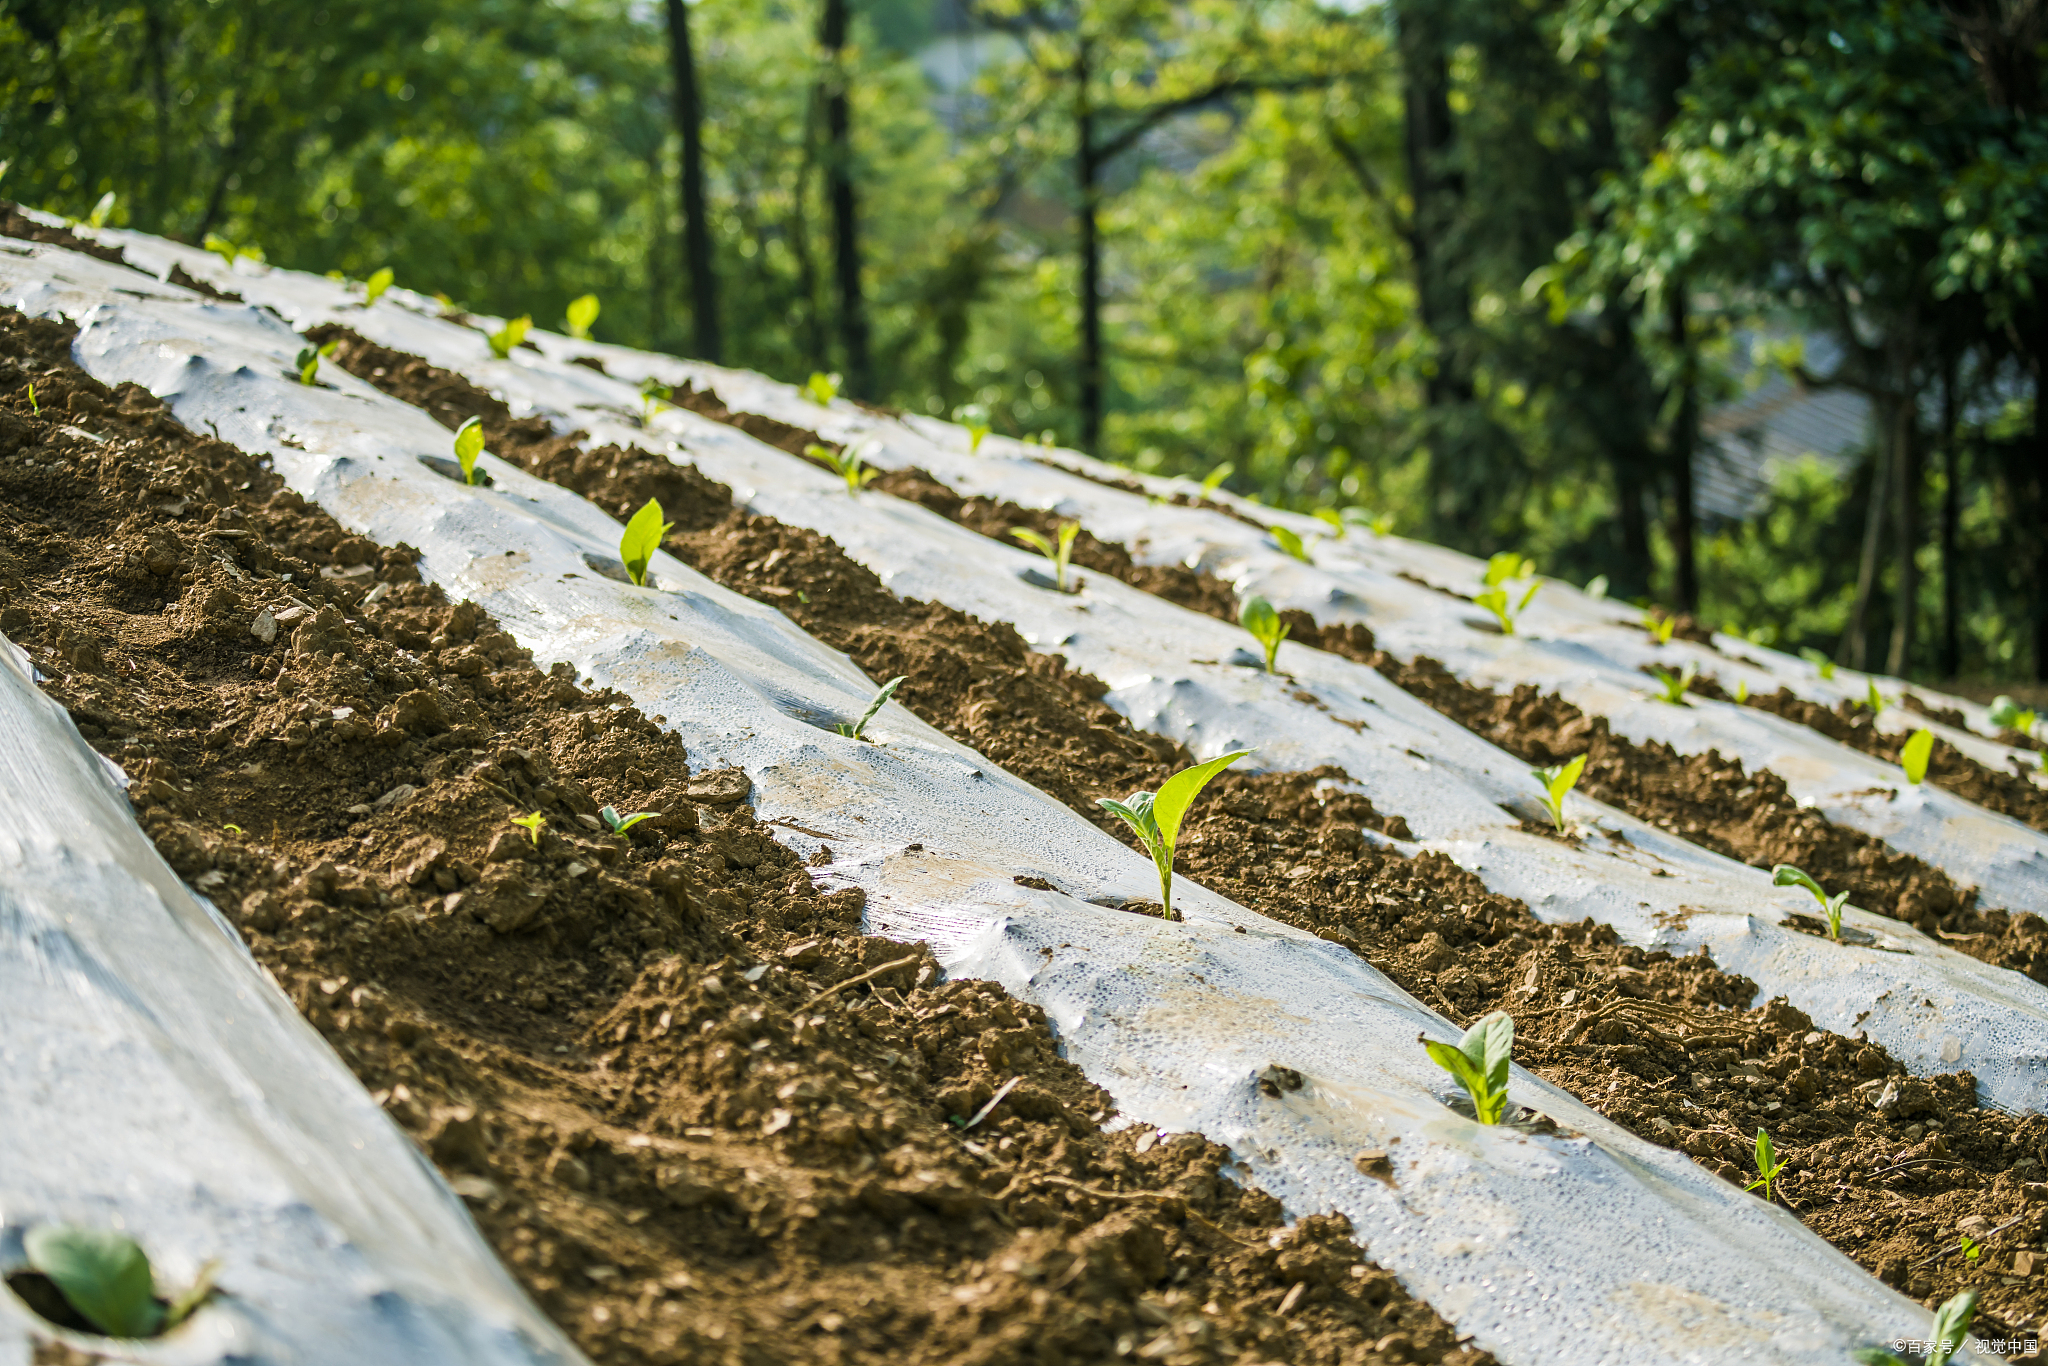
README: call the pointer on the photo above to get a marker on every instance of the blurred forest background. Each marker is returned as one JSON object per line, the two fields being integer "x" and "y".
{"x": 1733, "y": 304}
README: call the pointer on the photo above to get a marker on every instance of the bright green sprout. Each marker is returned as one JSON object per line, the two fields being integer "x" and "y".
{"x": 974, "y": 417}
{"x": 447, "y": 305}
{"x": 34, "y": 406}
{"x": 1741, "y": 690}
{"x": 618, "y": 824}
{"x": 236, "y": 829}
{"x": 1156, "y": 816}
{"x": 847, "y": 464}
{"x": 532, "y": 825}
{"x": 1258, "y": 617}
{"x": 1914, "y": 754}
{"x": 335, "y": 276}
{"x": 1596, "y": 587}
{"x": 858, "y": 730}
{"x": 1508, "y": 565}
{"x": 374, "y": 287}
{"x": 1290, "y": 543}
{"x": 469, "y": 444}
{"x": 1818, "y": 660}
{"x": 1674, "y": 685}
{"x": 581, "y": 313}
{"x": 1378, "y": 523}
{"x": 1951, "y": 1329}
{"x": 2007, "y": 714}
{"x": 1659, "y": 627}
{"x": 105, "y": 1276}
{"x": 1875, "y": 701}
{"x": 1060, "y": 554}
{"x": 1971, "y": 1247}
{"x": 1213, "y": 480}
{"x": 230, "y": 251}
{"x": 507, "y": 338}
{"x": 1497, "y": 601}
{"x": 642, "y": 537}
{"x": 1768, "y": 1165}
{"x": 821, "y": 388}
{"x": 1333, "y": 519}
{"x": 309, "y": 361}
{"x": 1479, "y": 1062}
{"x": 1785, "y": 875}
{"x": 1558, "y": 780}
{"x": 100, "y": 211}
{"x": 654, "y": 396}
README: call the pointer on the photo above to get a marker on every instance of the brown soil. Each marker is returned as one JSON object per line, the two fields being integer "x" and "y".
{"x": 14, "y": 223}
{"x": 663, "y": 1070}
{"x": 1669, "y": 1047}
{"x": 1852, "y": 723}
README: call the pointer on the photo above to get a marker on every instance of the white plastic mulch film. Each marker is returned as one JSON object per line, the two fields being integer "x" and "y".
{"x": 1584, "y": 1246}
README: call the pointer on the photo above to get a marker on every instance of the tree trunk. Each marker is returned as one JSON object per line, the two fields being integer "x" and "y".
{"x": 1086, "y": 174}
{"x": 1685, "y": 422}
{"x": 156, "y": 38}
{"x": 1951, "y": 662}
{"x": 853, "y": 318}
{"x": 1906, "y": 483}
{"x": 696, "y": 228}
{"x": 1435, "y": 189}
{"x": 1854, "y": 650}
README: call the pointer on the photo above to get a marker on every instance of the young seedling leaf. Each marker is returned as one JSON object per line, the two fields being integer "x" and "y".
{"x": 1213, "y": 480}
{"x": 506, "y": 339}
{"x": 1741, "y": 691}
{"x": 1768, "y": 1164}
{"x": 1479, "y": 1063}
{"x": 1875, "y": 701}
{"x": 581, "y": 313}
{"x": 1785, "y": 875}
{"x": 1660, "y": 628}
{"x": 1060, "y": 552}
{"x": 618, "y": 824}
{"x": 1674, "y": 685}
{"x": 858, "y": 730}
{"x": 104, "y": 1275}
{"x": 1915, "y": 753}
{"x": 1258, "y": 617}
{"x": 654, "y": 396}
{"x": 974, "y": 417}
{"x": 643, "y": 536}
{"x": 1333, "y": 519}
{"x": 1157, "y": 816}
{"x": 1971, "y": 1248}
{"x": 532, "y": 823}
{"x": 1596, "y": 587}
{"x": 1508, "y": 564}
{"x": 2007, "y": 714}
{"x": 469, "y": 444}
{"x": 33, "y": 406}
{"x": 1818, "y": 660}
{"x": 847, "y": 464}
{"x": 1952, "y": 1326}
{"x": 101, "y": 211}
{"x": 1290, "y": 543}
{"x": 308, "y": 362}
{"x": 374, "y": 287}
{"x": 1558, "y": 781}
{"x": 822, "y": 388}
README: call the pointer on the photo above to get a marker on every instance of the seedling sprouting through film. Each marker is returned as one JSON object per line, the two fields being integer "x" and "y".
{"x": 2007, "y": 714}
{"x": 859, "y": 729}
{"x": 821, "y": 388}
{"x": 1915, "y": 754}
{"x": 532, "y": 823}
{"x": 654, "y": 396}
{"x": 1768, "y": 1165}
{"x": 1951, "y": 1328}
{"x": 106, "y": 1277}
{"x": 469, "y": 444}
{"x": 974, "y": 417}
{"x": 1213, "y": 480}
{"x": 1875, "y": 701}
{"x": 1818, "y": 660}
{"x": 618, "y": 824}
{"x": 228, "y": 251}
{"x": 506, "y": 339}
{"x": 1660, "y": 628}
{"x": 101, "y": 211}
{"x": 643, "y": 536}
{"x": 374, "y": 287}
{"x": 1672, "y": 685}
{"x": 1558, "y": 781}
{"x": 1785, "y": 875}
{"x": 1596, "y": 587}
{"x": 1290, "y": 543}
{"x": 847, "y": 464}
{"x": 1156, "y": 816}
{"x": 1498, "y": 598}
{"x": 1060, "y": 553}
{"x": 581, "y": 313}
{"x": 308, "y": 362}
{"x": 1479, "y": 1063}
{"x": 1334, "y": 520}
{"x": 1258, "y": 617}
{"x": 1378, "y": 523}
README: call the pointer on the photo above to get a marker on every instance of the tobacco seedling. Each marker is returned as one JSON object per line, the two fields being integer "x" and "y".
{"x": 1951, "y": 1329}
{"x": 308, "y": 362}
{"x": 1558, "y": 780}
{"x": 1674, "y": 685}
{"x": 1818, "y": 660}
{"x": 1290, "y": 543}
{"x": 642, "y": 537}
{"x": 1785, "y": 875}
{"x": 1498, "y": 602}
{"x": 1213, "y": 480}
{"x": 654, "y": 396}
{"x": 847, "y": 464}
{"x": 1508, "y": 565}
{"x": 532, "y": 824}
{"x": 974, "y": 417}
{"x": 1971, "y": 1247}
{"x": 1596, "y": 587}
{"x": 374, "y": 287}
{"x": 230, "y": 251}
{"x": 1060, "y": 554}
{"x": 1741, "y": 690}
{"x": 1156, "y": 816}
{"x": 1479, "y": 1063}
{"x": 507, "y": 338}
{"x": 1659, "y": 627}
{"x": 858, "y": 730}
{"x": 106, "y": 1277}
{"x": 618, "y": 824}
{"x": 1875, "y": 701}
{"x": 101, "y": 211}
{"x": 821, "y": 388}
{"x": 33, "y": 406}
{"x": 469, "y": 444}
{"x": 1333, "y": 519}
{"x": 1914, "y": 754}
{"x": 1768, "y": 1165}
{"x": 2007, "y": 714}
{"x": 1258, "y": 617}
{"x": 581, "y": 313}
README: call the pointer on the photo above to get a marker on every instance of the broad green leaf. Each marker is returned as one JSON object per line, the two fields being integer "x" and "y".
{"x": 821, "y": 388}
{"x": 1951, "y": 1326}
{"x": 100, "y": 211}
{"x": 1290, "y": 543}
{"x": 1490, "y": 1043}
{"x": 1214, "y": 479}
{"x": 643, "y": 536}
{"x": 374, "y": 287}
{"x": 1035, "y": 540}
{"x": 1177, "y": 793}
{"x": 1567, "y": 778}
{"x": 469, "y": 444}
{"x": 1258, "y": 617}
{"x": 507, "y": 338}
{"x": 104, "y": 1275}
{"x": 1914, "y": 755}
{"x": 582, "y": 312}
{"x": 1785, "y": 875}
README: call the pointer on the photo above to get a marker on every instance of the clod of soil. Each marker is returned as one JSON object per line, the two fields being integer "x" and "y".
{"x": 700, "y": 1116}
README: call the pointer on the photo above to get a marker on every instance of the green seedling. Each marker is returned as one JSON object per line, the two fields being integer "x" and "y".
{"x": 1596, "y": 587}
{"x": 106, "y": 1277}
{"x": 1951, "y": 1330}
{"x": 618, "y": 824}
{"x": 858, "y": 730}
{"x": 821, "y": 388}
{"x": 1508, "y": 565}
{"x": 101, "y": 211}
{"x": 2007, "y": 714}
{"x": 581, "y": 313}
{"x": 232, "y": 829}
{"x": 228, "y": 251}
{"x": 1156, "y": 816}
{"x": 974, "y": 417}
{"x": 1875, "y": 701}
{"x": 1785, "y": 875}
{"x": 1971, "y": 1247}
{"x": 1674, "y": 685}
{"x": 1290, "y": 543}
{"x": 1060, "y": 554}
{"x": 1659, "y": 627}
{"x": 1741, "y": 690}
{"x": 1334, "y": 520}
{"x": 642, "y": 537}
{"x": 531, "y": 823}
{"x": 654, "y": 396}
{"x": 469, "y": 444}
{"x": 507, "y": 338}
{"x": 1818, "y": 660}
{"x": 1768, "y": 1165}
{"x": 1258, "y": 617}
{"x": 1213, "y": 480}
{"x": 847, "y": 464}
{"x": 1558, "y": 780}
{"x": 1506, "y": 610}
{"x": 1378, "y": 523}
{"x": 33, "y": 406}
{"x": 308, "y": 362}
{"x": 374, "y": 287}
{"x": 1915, "y": 753}
{"x": 1479, "y": 1063}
